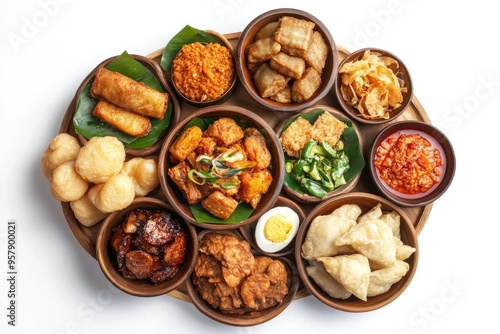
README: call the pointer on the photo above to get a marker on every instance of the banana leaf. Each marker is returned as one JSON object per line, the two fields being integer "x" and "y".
{"x": 352, "y": 149}
{"x": 243, "y": 210}
{"x": 90, "y": 126}
{"x": 186, "y": 36}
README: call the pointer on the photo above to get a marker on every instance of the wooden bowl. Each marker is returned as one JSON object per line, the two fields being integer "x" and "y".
{"x": 303, "y": 196}
{"x": 173, "y": 102}
{"x": 438, "y": 140}
{"x": 172, "y": 192}
{"x": 248, "y": 231}
{"x": 250, "y": 318}
{"x": 199, "y": 104}
{"x": 142, "y": 288}
{"x": 366, "y": 202}
{"x": 248, "y": 36}
{"x": 402, "y": 74}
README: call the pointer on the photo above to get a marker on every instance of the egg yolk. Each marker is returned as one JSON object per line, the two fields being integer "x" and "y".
{"x": 277, "y": 228}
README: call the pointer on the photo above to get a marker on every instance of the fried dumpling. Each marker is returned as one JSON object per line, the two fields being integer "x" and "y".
{"x": 352, "y": 271}
{"x": 325, "y": 229}
{"x": 317, "y": 271}
{"x": 372, "y": 238}
{"x": 393, "y": 220}
{"x": 403, "y": 251}
{"x": 381, "y": 280}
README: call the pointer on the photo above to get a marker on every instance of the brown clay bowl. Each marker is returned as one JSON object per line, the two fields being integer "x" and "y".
{"x": 248, "y": 231}
{"x": 199, "y": 104}
{"x": 365, "y": 201}
{"x": 173, "y": 194}
{"x": 438, "y": 140}
{"x": 304, "y": 197}
{"x": 248, "y": 36}
{"x": 143, "y": 288}
{"x": 402, "y": 73}
{"x": 157, "y": 71}
{"x": 249, "y": 318}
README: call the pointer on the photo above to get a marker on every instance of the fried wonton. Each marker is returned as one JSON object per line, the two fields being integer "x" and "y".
{"x": 381, "y": 280}
{"x": 352, "y": 271}
{"x": 325, "y": 229}
{"x": 372, "y": 238}
{"x": 316, "y": 270}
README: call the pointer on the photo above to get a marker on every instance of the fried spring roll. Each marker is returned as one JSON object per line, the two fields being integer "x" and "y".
{"x": 126, "y": 121}
{"x": 129, "y": 94}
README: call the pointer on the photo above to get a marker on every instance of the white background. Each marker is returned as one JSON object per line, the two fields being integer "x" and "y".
{"x": 47, "y": 47}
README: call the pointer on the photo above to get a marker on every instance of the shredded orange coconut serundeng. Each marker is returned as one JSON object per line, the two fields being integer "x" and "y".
{"x": 203, "y": 72}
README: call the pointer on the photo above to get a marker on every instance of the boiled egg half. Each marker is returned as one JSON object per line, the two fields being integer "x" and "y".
{"x": 276, "y": 228}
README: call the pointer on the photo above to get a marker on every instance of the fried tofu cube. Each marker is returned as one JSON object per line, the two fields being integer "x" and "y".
{"x": 287, "y": 65}
{"x": 225, "y": 131}
{"x": 294, "y": 35}
{"x": 317, "y": 53}
{"x": 306, "y": 86}
{"x": 219, "y": 205}
{"x": 262, "y": 49}
{"x": 268, "y": 81}
{"x": 186, "y": 143}
{"x": 285, "y": 96}
{"x": 267, "y": 30}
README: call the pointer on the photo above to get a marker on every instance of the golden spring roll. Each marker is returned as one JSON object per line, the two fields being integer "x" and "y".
{"x": 129, "y": 94}
{"x": 126, "y": 121}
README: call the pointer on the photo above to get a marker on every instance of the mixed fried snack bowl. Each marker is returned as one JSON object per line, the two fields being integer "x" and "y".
{"x": 374, "y": 90}
{"x": 231, "y": 189}
{"x": 84, "y": 104}
{"x": 350, "y": 139}
{"x": 107, "y": 257}
{"x": 229, "y": 305}
{"x": 345, "y": 270}
{"x": 214, "y": 71}
{"x": 310, "y": 80}
{"x": 425, "y": 173}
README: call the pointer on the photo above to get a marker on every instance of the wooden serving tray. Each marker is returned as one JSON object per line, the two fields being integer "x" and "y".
{"x": 87, "y": 236}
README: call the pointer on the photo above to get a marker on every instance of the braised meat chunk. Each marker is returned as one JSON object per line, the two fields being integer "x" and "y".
{"x": 225, "y": 131}
{"x": 179, "y": 174}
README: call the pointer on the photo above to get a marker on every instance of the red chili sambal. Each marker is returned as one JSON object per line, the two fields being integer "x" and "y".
{"x": 408, "y": 163}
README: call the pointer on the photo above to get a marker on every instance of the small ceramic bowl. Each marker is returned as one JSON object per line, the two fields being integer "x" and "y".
{"x": 401, "y": 72}
{"x": 438, "y": 140}
{"x": 232, "y": 86}
{"x": 246, "y": 318}
{"x": 305, "y": 197}
{"x": 248, "y": 231}
{"x": 366, "y": 202}
{"x": 247, "y": 37}
{"x": 173, "y": 104}
{"x": 177, "y": 199}
{"x": 106, "y": 256}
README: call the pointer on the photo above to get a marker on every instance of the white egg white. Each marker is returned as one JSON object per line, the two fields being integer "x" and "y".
{"x": 267, "y": 245}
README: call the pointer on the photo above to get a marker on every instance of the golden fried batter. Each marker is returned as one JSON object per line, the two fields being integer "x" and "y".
{"x": 230, "y": 278}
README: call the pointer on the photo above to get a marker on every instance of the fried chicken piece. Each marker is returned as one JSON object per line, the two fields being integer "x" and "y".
{"x": 266, "y": 289}
{"x": 179, "y": 174}
{"x": 253, "y": 185}
{"x": 230, "y": 299}
{"x": 225, "y": 131}
{"x": 256, "y": 149}
{"x": 236, "y": 259}
{"x": 207, "y": 266}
